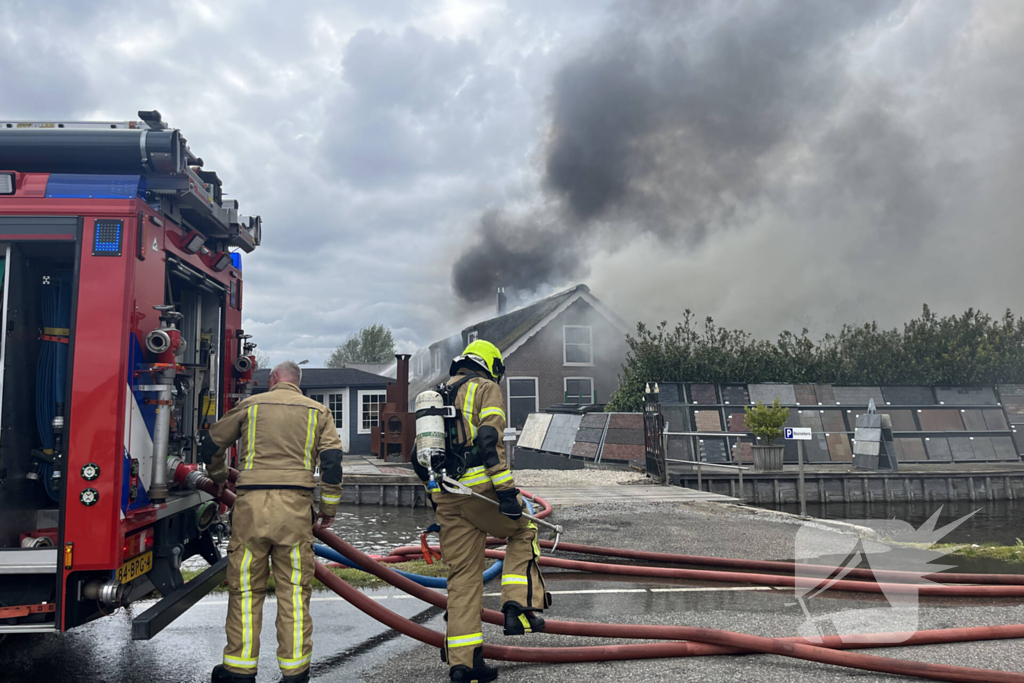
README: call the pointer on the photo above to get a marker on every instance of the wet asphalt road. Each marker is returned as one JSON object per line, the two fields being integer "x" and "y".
{"x": 351, "y": 647}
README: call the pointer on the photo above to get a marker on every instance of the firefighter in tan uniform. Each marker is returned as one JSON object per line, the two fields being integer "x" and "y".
{"x": 466, "y": 521}
{"x": 283, "y": 437}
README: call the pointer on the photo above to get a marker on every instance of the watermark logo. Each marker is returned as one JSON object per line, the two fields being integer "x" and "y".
{"x": 900, "y": 569}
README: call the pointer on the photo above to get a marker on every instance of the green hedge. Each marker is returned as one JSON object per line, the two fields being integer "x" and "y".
{"x": 959, "y": 350}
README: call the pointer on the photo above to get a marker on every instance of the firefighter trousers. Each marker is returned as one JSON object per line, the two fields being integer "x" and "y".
{"x": 465, "y": 525}
{"x": 270, "y": 527}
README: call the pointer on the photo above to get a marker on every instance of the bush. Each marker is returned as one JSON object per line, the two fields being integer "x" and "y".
{"x": 766, "y": 422}
{"x": 972, "y": 348}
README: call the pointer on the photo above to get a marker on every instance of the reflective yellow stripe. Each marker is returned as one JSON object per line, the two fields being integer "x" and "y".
{"x": 310, "y": 437}
{"x": 474, "y": 476}
{"x": 330, "y": 500}
{"x": 467, "y": 409}
{"x": 239, "y": 662}
{"x": 293, "y": 663}
{"x": 501, "y": 477}
{"x": 536, "y": 545}
{"x": 245, "y": 582}
{"x": 517, "y": 579}
{"x": 487, "y": 412}
{"x": 525, "y": 622}
{"x": 463, "y": 641}
{"x": 251, "y": 447}
{"x": 297, "y": 601}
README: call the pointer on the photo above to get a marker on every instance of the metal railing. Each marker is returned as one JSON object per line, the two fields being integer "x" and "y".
{"x": 699, "y": 465}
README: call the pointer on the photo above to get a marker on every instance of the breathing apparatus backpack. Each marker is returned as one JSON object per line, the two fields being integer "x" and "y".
{"x": 441, "y": 442}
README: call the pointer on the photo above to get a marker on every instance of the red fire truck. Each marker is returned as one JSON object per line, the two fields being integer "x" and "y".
{"x": 121, "y": 312}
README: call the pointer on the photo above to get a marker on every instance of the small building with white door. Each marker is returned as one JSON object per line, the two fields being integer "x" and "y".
{"x": 355, "y": 397}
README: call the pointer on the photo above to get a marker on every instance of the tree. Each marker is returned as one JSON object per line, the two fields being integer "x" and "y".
{"x": 262, "y": 360}
{"x": 373, "y": 344}
{"x": 766, "y": 422}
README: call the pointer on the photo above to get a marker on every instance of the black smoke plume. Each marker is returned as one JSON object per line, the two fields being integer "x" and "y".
{"x": 679, "y": 120}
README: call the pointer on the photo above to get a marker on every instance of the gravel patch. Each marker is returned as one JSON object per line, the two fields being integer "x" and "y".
{"x": 569, "y": 478}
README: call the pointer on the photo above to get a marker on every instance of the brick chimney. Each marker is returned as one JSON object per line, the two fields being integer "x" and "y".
{"x": 501, "y": 301}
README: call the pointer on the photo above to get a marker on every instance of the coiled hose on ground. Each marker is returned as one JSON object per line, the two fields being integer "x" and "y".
{"x": 702, "y": 641}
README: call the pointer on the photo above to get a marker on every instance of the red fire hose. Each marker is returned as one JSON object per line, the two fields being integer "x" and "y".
{"x": 708, "y": 641}
{"x": 411, "y": 552}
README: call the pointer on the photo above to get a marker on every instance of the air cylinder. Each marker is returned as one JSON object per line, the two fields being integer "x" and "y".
{"x": 429, "y": 429}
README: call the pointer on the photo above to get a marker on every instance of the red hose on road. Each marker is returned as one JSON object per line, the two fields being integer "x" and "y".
{"x": 721, "y": 641}
{"x": 728, "y": 639}
{"x": 998, "y": 591}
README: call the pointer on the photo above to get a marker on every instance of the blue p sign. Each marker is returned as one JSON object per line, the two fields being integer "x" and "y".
{"x": 789, "y": 432}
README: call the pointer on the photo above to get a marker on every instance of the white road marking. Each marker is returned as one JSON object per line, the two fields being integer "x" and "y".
{"x": 593, "y": 591}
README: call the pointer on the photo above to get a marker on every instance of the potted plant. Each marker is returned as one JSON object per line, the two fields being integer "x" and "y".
{"x": 766, "y": 423}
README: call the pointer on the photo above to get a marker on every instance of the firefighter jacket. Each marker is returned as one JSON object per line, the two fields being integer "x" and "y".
{"x": 283, "y": 436}
{"x": 482, "y": 407}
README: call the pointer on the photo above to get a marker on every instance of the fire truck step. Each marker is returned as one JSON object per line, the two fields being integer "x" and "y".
{"x": 160, "y": 615}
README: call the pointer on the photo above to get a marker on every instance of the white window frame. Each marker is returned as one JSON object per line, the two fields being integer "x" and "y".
{"x": 565, "y": 362}
{"x": 508, "y": 393}
{"x": 435, "y": 360}
{"x": 565, "y": 389}
{"x": 472, "y": 336}
{"x": 359, "y": 397}
{"x": 339, "y": 417}
{"x": 319, "y": 398}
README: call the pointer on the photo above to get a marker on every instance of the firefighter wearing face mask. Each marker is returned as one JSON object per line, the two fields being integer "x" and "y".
{"x": 466, "y": 521}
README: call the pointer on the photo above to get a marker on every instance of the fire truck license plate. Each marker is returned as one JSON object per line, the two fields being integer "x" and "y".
{"x": 135, "y": 567}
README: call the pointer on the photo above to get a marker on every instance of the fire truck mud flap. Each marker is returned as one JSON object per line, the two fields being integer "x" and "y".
{"x": 160, "y": 615}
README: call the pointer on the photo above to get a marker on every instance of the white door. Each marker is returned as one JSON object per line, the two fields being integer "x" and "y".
{"x": 338, "y": 402}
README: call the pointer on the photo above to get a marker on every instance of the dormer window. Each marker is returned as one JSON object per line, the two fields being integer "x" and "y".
{"x": 472, "y": 337}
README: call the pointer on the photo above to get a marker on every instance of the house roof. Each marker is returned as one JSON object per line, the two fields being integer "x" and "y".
{"x": 510, "y": 331}
{"x": 504, "y": 330}
{"x": 329, "y": 378}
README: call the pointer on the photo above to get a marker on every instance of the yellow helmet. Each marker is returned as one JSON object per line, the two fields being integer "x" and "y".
{"x": 483, "y": 354}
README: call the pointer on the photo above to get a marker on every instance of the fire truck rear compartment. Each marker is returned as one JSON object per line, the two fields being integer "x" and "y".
{"x": 34, "y": 356}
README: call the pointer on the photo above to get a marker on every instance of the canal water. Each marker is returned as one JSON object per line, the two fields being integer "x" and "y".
{"x": 1000, "y": 522}
{"x": 377, "y": 529}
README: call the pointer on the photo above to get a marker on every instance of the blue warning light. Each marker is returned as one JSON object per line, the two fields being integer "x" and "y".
{"x": 107, "y": 237}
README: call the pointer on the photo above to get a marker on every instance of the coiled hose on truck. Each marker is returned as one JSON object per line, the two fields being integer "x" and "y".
{"x": 702, "y": 641}
{"x": 52, "y": 367}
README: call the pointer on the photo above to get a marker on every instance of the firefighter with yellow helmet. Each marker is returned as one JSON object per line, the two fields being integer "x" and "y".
{"x": 476, "y": 457}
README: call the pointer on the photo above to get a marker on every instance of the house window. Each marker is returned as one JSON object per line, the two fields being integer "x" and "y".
{"x": 578, "y": 347}
{"x": 337, "y": 406}
{"x": 522, "y": 400}
{"x": 435, "y": 359}
{"x": 370, "y": 405}
{"x": 473, "y": 336}
{"x": 319, "y": 398}
{"x": 579, "y": 390}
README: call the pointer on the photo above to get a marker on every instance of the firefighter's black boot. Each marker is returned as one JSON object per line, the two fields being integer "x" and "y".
{"x": 519, "y": 620}
{"x": 222, "y": 675}
{"x": 480, "y": 673}
{"x": 297, "y": 678}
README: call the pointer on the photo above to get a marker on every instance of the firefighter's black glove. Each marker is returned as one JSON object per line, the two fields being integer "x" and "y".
{"x": 508, "y": 503}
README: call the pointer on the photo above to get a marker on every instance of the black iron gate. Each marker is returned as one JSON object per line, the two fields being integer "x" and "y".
{"x": 654, "y": 430}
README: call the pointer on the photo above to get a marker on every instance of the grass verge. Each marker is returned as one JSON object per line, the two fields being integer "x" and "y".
{"x": 1013, "y": 554}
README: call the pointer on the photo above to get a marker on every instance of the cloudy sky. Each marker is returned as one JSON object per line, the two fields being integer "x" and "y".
{"x": 772, "y": 164}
